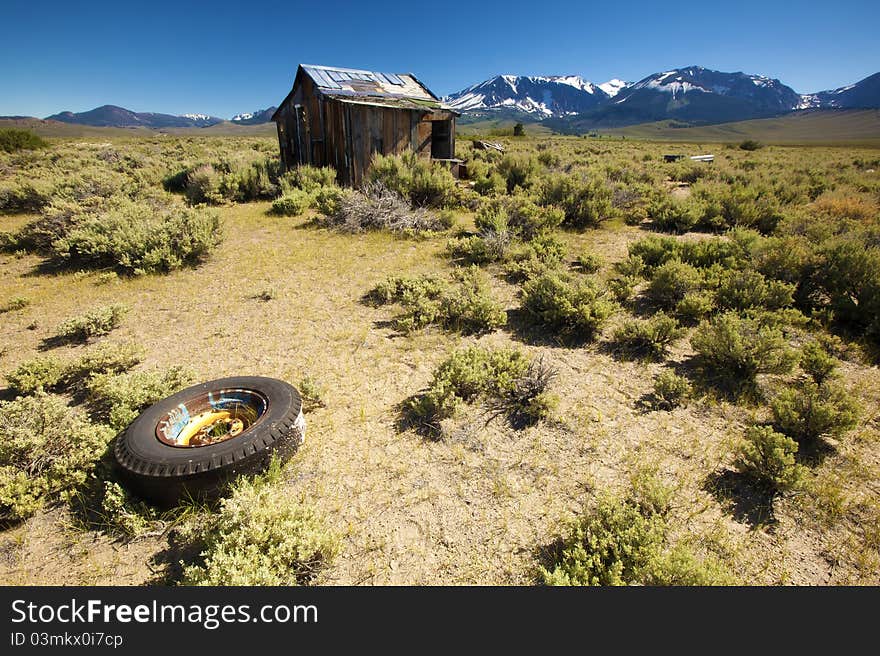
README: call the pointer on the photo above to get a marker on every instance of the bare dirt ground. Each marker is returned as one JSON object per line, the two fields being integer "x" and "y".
{"x": 475, "y": 506}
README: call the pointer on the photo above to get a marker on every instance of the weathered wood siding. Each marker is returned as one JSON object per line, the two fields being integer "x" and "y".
{"x": 323, "y": 131}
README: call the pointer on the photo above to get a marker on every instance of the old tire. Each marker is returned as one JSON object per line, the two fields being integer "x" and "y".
{"x": 156, "y": 468}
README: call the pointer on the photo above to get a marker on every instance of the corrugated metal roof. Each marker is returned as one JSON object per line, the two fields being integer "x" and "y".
{"x": 351, "y": 81}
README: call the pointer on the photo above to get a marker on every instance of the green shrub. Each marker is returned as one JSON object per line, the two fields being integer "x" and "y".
{"x": 463, "y": 377}
{"x": 624, "y": 542}
{"x": 261, "y": 537}
{"x": 673, "y": 215}
{"x": 121, "y": 514}
{"x": 648, "y": 337}
{"x": 489, "y": 246}
{"x": 293, "y": 203}
{"x": 811, "y": 411}
{"x": 40, "y": 373}
{"x": 750, "y": 144}
{"x": 311, "y": 178}
{"x": 328, "y": 199}
{"x": 118, "y": 399}
{"x": 745, "y": 290}
{"x": 14, "y": 303}
{"x": 671, "y": 282}
{"x": 203, "y": 185}
{"x": 96, "y": 322}
{"x": 587, "y": 202}
{"x": 768, "y": 458}
{"x": 12, "y": 140}
{"x": 742, "y": 347}
{"x": 48, "y": 450}
{"x": 420, "y": 181}
{"x": 465, "y": 306}
{"x": 567, "y": 304}
{"x": 396, "y": 289}
{"x": 135, "y": 237}
{"x": 743, "y": 204}
{"x": 695, "y": 306}
{"x": 654, "y": 251}
{"x": 51, "y": 374}
{"x": 468, "y": 307}
{"x": 518, "y": 171}
{"x": 527, "y": 401}
{"x": 849, "y": 273}
{"x": 312, "y": 393}
{"x": 518, "y": 216}
{"x": 589, "y": 262}
{"x": 632, "y": 267}
{"x": 670, "y": 390}
{"x": 817, "y": 362}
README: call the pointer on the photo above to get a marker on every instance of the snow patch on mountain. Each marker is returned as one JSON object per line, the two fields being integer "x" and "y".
{"x": 613, "y": 87}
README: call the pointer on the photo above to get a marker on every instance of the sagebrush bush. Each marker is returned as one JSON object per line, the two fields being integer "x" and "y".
{"x": 136, "y": 237}
{"x": 311, "y": 178}
{"x": 312, "y": 393}
{"x": 203, "y": 185}
{"x": 518, "y": 171}
{"x": 527, "y": 401}
{"x": 849, "y": 273}
{"x": 465, "y": 305}
{"x": 744, "y": 290}
{"x": 47, "y": 451}
{"x": 261, "y": 537}
{"x": 589, "y": 262}
{"x": 695, "y": 306}
{"x": 742, "y": 347}
{"x": 671, "y": 282}
{"x": 625, "y": 541}
{"x": 51, "y": 374}
{"x": 468, "y": 307}
{"x": 670, "y": 390}
{"x": 518, "y": 215}
{"x": 489, "y": 246}
{"x": 14, "y": 303}
{"x": 817, "y": 363}
{"x": 12, "y": 140}
{"x": 463, "y": 377}
{"x": 293, "y": 203}
{"x": 673, "y": 215}
{"x": 420, "y": 181}
{"x": 587, "y": 202}
{"x": 567, "y": 304}
{"x": 94, "y": 323}
{"x": 397, "y": 288}
{"x": 42, "y": 372}
{"x": 810, "y": 411}
{"x": 648, "y": 337}
{"x": 768, "y": 458}
{"x": 119, "y": 398}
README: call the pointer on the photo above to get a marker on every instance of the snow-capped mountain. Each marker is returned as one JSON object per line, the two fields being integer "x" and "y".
{"x": 543, "y": 96}
{"x": 861, "y": 95}
{"x": 686, "y": 86}
{"x": 253, "y": 118}
{"x": 613, "y": 87}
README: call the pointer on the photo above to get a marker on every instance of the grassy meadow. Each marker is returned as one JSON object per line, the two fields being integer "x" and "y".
{"x": 582, "y": 365}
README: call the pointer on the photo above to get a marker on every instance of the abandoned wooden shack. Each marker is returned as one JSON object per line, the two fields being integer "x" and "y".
{"x": 340, "y": 117}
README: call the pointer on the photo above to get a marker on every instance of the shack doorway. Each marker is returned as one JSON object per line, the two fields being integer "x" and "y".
{"x": 441, "y": 140}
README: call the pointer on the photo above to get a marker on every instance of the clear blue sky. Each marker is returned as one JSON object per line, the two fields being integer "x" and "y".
{"x": 221, "y": 58}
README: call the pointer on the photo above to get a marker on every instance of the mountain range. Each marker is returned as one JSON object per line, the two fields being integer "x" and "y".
{"x": 119, "y": 117}
{"x": 692, "y": 95}
{"x": 568, "y": 103}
